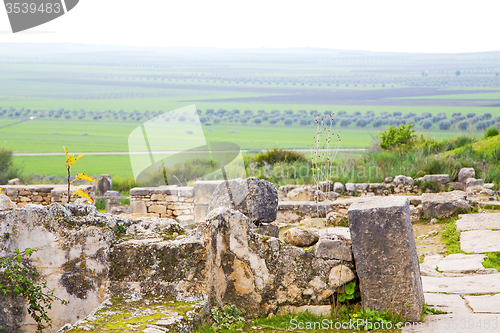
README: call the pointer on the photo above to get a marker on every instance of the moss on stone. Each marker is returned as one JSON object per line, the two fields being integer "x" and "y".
{"x": 121, "y": 315}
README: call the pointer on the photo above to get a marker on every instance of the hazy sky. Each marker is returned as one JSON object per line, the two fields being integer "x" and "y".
{"x": 376, "y": 25}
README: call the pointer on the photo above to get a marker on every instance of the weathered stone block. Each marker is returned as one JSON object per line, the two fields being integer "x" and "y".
{"x": 338, "y": 188}
{"x": 457, "y": 186}
{"x": 6, "y": 203}
{"x": 443, "y": 179}
{"x": 157, "y": 197}
{"x": 444, "y": 204}
{"x": 466, "y": 173}
{"x": 265, "y": 229}
{"x": 474, "y": 182}
{"x": 186, "y": 192}
{"x": 340, "y": 275}
{"x": 386, "y": 256}
{"x": 203, "y": 191}
{"x": 255, "y": 198}
{"x": 333, "y": 249}
{"x": 158, "y": 209}
{"x": 200, "y": 212}
{"x": 138, "y": 207}
{"x": 139, "y": 191}
{"x": 300, "y": 237}
{"x": 104, "y": 184}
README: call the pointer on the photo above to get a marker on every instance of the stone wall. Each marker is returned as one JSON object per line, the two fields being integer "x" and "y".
{"x": 86, "y": 259}
{"x": 72, "y": 245}
{"x": 165, "y": 201}
{"x": 188, "y": 205}
{"x": 41, "y": 194}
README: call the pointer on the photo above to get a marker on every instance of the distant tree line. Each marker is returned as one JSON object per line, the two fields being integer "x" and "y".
{"x": 343, "y": 119}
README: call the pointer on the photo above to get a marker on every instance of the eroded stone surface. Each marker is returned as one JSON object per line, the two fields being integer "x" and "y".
{"x": 461, "y": 263}
{"x": 447, "y": 303}
{"x": 254, "y": 197}
{"x": 444, "y": 204}
{"x": 484, "y": 303}
{"x": 480, "y": 241}
{"x": 467, "y": 284}
{"x": 300, "y": 237}
{"x": 386, "y": 256}
{"x": 478, "y": 221}
{"x": 6, "y": 203}
{"x": 72, "y": 244}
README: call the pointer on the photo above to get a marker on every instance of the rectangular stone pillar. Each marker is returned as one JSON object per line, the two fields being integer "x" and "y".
{"x": 386, "y": 256}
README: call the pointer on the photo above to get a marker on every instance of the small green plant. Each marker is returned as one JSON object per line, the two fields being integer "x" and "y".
{"x": 229, "y": 318}
{"x": 18, "y": 278}
{"x": 100, "y": 204}
{"x": 492, "y": 260}
{"x": 433, "y": 185}
{"x": 451, "y": 237}
{"x": 490, "y": 132}
{"x": 398, "y": 138}
{"x": 120, "y": 228}
{"x": 6, "y": 235}
{"x": 430, "y": 311}
{"x": 349, "y": 293}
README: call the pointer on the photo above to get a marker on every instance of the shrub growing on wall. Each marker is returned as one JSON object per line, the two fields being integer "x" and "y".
{"x": 7, "y": 168}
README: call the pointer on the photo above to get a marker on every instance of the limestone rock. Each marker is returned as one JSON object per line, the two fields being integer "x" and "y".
{"x": 403, "y": 180}
{"x": 457, "y": 186}
{"x": 300, "y": 237}
{"x": 326, "y": 186}
{"x": 386, "y": 256}
{"x": 388, "y": 180}
{"x": 335, "y": 218}
{"x": 340, "y": 275}
{"x": 487, "y": 192}
{"x": 72, "y": 243}
{"x": 6, "y": 203}
{"x": 466, "y": 173}
{"x": 15, "y": 181}
{"x": 334, "y": 249}
{"x": 444, "y": 204}
{"x": 104, "y": 184}
{"x": 306, "y": 193}
{"x": 255, "y": 198}
{"x": 474, "y": 182}
{"x": 266, "y": 229}
{"x": 350, "y": 188}
{"x": 338, "y": 188}
{"x": 443, "y": 179}
{"x": 416, "y": 213}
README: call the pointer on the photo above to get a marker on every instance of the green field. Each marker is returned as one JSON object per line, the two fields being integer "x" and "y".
{"x": 90, "y": 101}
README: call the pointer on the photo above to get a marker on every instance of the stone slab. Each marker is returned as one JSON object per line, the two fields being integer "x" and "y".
{"x": 447, "y": 303}
{"x": 203, "y": 191}
{"x": 478, "y": 221}
{"x": 484, "y": 303}
{"x": 339, "y": 231}
{"x": 467, "y": 284}
{"x": 461, "y": 263}
{"x": 386, "y": 257}
{"x": 480, "y": 241}
{"x": 452, "y": 323}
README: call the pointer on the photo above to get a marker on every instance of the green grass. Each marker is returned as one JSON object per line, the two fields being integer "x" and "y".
{"x": 116, "y": 165}
{"x": 451, "y": 237}
{"x": 492, "y": 260}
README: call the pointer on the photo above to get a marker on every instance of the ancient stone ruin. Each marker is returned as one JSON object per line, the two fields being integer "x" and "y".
{"x": 240, "y": 244}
